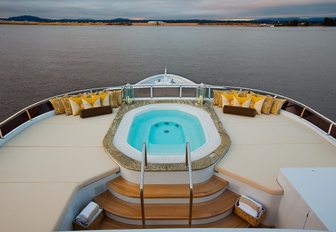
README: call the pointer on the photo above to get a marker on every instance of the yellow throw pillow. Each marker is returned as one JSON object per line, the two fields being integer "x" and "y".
{"x": 267, "y": 106}
{"x": 255, "y": 94}
{"x": 104, "y": 98}
{"x": 75, "y": 103}
{"x": 241, "y": 101}
{"x": 220, "y": 103}
{"x": 58, "y": 105}
{"x": 278, "y": 103}
{"x": 91, "y": 101}
{"x": 66, "y": 105}
{"x": 242, "y": 93}
{"x": 219, "y": 98}
{"x": 119, "y": 97}
{"x": 115, "y": 98}
{"x": 257, "y": 102}
{"x": 215, "y": 98}
{"x": 226, "y": 99}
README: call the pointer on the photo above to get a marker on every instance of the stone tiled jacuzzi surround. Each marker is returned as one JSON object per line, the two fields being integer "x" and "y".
{"x": 132, "y": 164}
{"x": 212, "y": 138}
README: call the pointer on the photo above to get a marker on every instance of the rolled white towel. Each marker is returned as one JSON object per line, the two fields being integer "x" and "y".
{"x": 248, "y": 209}
{"x": 252, "y": 203}
{"x": 87, "y": 213}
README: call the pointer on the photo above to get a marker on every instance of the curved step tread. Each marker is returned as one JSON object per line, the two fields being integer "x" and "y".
{"x": 129, "y": 189}
{"x": 231, "y": 221}
{"x": 203, "y": 210}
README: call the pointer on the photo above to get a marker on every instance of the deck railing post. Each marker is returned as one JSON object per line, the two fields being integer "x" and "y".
{"x": 191, "y": 193}
{"x": 27, "y": 112}
{"x": 186, "y": 156}
{"x": 145, "y": 151}
{"x": 329, "y": 130}
{"x": 142, "y": 181}
{"x": 180, "y": 91}
{"x": 151, "y": 91}
{"x": 191, "y": 196}
{"x": 302, "y": 113}
{"x": 142, "y": 208}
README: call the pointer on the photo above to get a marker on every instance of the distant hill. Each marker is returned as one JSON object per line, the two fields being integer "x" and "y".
{"x": 276, "y": 21}
{"x": 28, "y": 18}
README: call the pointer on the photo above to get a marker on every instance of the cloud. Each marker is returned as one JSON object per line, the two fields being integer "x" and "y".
{"x": 163, "y": 9}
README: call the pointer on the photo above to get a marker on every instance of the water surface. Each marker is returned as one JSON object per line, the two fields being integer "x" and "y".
{"x": 37, "y": 62}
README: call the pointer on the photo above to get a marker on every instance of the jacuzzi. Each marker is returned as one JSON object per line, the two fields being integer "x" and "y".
{"x": 166, "y": 128}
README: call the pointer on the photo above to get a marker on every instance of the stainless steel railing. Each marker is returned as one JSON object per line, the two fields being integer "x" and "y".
{"x": 142, "y": 183}
{"x": 191, "y": 188}
{"x": 187, "y": 91}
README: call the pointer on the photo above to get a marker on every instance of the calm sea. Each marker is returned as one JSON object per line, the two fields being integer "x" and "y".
{"x": 37, "y": 62}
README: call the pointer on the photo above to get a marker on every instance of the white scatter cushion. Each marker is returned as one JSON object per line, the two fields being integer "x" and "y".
{"x": 86, "y": 105}
{"x": 235, "y": 102}
{"x": 97, "y": 103}
{"x": 258, "y": 105}
{"x": 241, "y": 101}
{"x": 74, "y": 106}
{"x": 225, "y": 101}
{"x": 106, "y": 100}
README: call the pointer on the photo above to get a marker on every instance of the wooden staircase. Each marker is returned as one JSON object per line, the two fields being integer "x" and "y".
{"x": 167, "y": 206}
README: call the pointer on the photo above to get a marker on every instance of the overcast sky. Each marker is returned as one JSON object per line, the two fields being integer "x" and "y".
{"x": 167, "y": 9}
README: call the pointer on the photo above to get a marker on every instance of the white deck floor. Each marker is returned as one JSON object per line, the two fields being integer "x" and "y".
{"x": 42, "y": 167}
{"x": 266, "y": 143}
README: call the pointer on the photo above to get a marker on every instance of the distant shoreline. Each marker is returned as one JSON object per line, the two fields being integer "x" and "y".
{"x": 125, "y": 24}
{"x": 262, "y": 22}
{"x": 224, "y": 24}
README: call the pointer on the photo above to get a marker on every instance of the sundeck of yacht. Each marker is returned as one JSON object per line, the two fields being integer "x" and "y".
{"x": 51, "y": 166}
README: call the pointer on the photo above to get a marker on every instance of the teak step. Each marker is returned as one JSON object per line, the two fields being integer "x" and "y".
{"x": 203, "y": 210}
{"x": 126, "y": 188}
{"x": 231, "y": 221}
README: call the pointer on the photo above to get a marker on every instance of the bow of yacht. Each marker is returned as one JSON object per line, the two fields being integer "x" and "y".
{"x": 53, "y": 165}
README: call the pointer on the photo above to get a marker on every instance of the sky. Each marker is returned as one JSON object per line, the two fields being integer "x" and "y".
{"x": 167, "y": 9}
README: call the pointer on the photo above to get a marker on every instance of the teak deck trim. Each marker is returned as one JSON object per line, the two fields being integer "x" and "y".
{"x": 179, "y": 211}
{"x": 204, "y": 189}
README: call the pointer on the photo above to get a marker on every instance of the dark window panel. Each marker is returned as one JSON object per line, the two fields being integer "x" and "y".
{"x": 166, "y": 92}
{"x": 40, "y": 109}
{"x": 189, "y": 92}
{"x": 333, "y": 131}
{"x": 316, "y": 120}
{"x": 14, "y": 123}
{"x": 142, "y": 93}
{"x": 293, "y": 108}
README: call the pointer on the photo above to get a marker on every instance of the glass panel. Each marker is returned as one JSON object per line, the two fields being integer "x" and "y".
{"x": 166, "y": 92}
{"x": 189, "y": 92}
{"x": 15, "y": 122}
{"x": 145, "y": 92}
{"x": 293, "y": 108}
{"x": 40, "y": 109}
{"x": 316, "y": 120}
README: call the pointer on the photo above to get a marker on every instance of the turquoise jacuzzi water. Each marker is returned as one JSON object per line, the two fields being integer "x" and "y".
{"x": 166, "y": 132}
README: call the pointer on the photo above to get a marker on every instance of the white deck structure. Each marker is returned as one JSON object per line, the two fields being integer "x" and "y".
{"x": 43, "y": 166}
{"x": 47, "y": 160}
{"x": 165, "y": 79}
{"x": 264, "y": 144}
